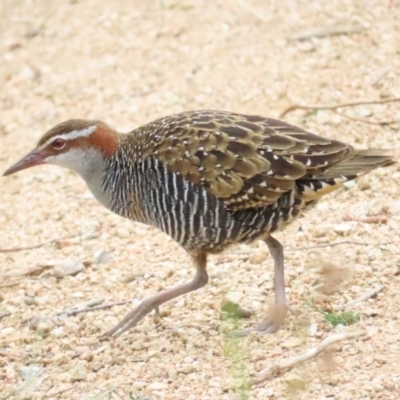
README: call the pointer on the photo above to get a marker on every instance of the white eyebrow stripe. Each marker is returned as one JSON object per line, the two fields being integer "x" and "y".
{"x": 72, "y": 135}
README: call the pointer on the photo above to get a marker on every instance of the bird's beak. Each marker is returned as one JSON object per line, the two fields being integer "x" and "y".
{"x": 30, "y": 160}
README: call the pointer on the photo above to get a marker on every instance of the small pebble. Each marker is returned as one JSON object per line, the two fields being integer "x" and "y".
{"x": 157, "y": 386}
{"x": 30, "y": 300}
{"x": 257, "y": 258}
{"x": 102, "y": 257}
{"x": 79, "y": 374}
{"x": 8, "y": 331}
{"x": 96, "y": 367}
{"x": 293, "y": 342}
{"x": 295, "y": 381}
{"x": 57, "y": 332}
{"x": 139, "y": 384}
{"x": 44, "y": 327}
{"x": 71, "y": 267}
{"x": 380, "y": 359}
{"x": 187, "y": 369}
{"x": 60, "y": 359}
{"x": 30, "y": 372}
{"x": 343, "y": 229}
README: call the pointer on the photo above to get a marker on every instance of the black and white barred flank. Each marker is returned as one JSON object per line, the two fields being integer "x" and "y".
{"x": 147, "y": 192}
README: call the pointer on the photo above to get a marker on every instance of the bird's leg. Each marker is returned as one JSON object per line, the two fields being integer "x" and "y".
{"x": 277, "y": 312}
{"x": 153, "y": 302}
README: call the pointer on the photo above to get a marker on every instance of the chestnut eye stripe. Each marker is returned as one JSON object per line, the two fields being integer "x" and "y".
{"x": 70, "y": 135}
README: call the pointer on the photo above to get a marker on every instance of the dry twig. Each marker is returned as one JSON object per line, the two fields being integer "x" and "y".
{"x": 328, "y": 244}
{"x": 318, "y": 246}
{"x": 30, "y": 272}
{"x": 366, "y": 121}
{"x": 296, "y": 106}
{"x": 36, "y": 246}
{"x": 5, "y": 314}
{"x": 285, "y": 365}
{"x": 53, "y": 395}
{"x": 331, "y": 31}
{"x": 35, "y": 270}
{"x": 10, "y": 284}
{"x": 10, "y": 356}
{"x": 254, "y": 13}
{"x": 372, "y": 219}
{"x": 69, "y": 312}
{"x": 381, "y": 76}
{"x": 365, "y": 296}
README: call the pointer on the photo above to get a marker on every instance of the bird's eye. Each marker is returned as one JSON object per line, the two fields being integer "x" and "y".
{"x": 58, "y": 143}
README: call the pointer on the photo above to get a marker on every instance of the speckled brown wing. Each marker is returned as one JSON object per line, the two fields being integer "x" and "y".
{"x": 246, "y": 160}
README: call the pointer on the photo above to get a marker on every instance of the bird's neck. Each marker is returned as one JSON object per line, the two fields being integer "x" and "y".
{"x": 120, "y": 182}
{"x": 97, "y": 163}
{"x": 113, "y": 178}
{"x": 92, "y": 169}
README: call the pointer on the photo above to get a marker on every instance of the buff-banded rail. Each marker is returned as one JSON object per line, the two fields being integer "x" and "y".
{"x": 208, "y": 179}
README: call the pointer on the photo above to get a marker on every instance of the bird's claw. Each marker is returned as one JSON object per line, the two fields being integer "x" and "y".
{"x": 129, "y": 321}
{"x": 275, "y": 317}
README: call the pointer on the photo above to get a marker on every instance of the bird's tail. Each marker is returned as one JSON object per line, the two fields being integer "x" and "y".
{"x": 357, "y": 163}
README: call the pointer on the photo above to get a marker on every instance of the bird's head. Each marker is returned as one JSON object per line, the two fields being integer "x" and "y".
{"x": 75, "y": 144}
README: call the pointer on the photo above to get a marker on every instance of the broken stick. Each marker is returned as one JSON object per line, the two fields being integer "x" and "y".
{"x": 296, "y": 106}
{"x": 285, "y": 365}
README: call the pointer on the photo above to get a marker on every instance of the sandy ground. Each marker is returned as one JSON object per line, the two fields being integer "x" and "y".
{"x": 128, "y": 63}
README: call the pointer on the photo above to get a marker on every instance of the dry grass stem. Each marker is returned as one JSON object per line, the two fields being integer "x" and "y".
{"x": 45, "y": 243}
{"x": 367, "y": 295}
{"x": 10, "y": 284}
{"x": 331, "y": 31}
{"x": 286, "y": 365}
{"x": 3, "y": 315}
{"x": 373, "y": 219}
{"x": 367, "y": 121}
{"x": 296, "y": 106}
{"x": 250, "y": 9}
{"x": 334, "y": 244}
{"x": 53, "y": 395}
{"x": 74, "y": 311}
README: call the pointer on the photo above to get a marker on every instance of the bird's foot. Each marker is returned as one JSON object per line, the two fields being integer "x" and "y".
{"x": 130, "y": 320}
{"x": 274, "y": 319}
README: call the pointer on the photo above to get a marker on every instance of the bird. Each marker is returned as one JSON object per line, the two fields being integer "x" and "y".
{"x": 209, "y": 179}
